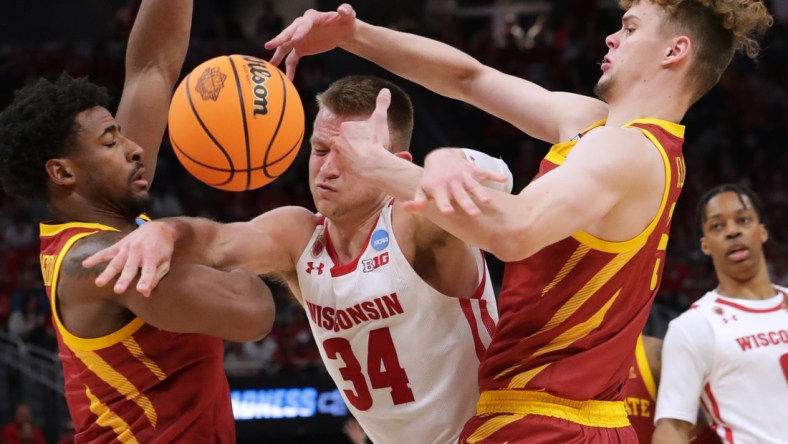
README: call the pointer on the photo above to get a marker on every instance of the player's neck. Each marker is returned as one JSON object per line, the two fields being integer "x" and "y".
{"x": 757, "y": 287}
{"x": 634, "y": 104}
{"x": 349, "y": 235}
{"x": 79, "y": 210}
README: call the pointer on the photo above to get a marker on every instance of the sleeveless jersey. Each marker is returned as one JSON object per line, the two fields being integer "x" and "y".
{"x": 745, "y": 387}
{"x": 138, "y": 384}
{"x": 640, "y": 394}
{"x": 571, "y": 313}
{"x": 403, "y": 355}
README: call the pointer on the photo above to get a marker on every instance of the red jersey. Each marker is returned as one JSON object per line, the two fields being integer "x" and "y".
{"x": 139, "y": 383}
{"x": 571, "y": 313}
{"x": 640, "y": 394}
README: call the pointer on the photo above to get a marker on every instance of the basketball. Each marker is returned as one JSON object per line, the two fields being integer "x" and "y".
{"x": 236, "y": 122}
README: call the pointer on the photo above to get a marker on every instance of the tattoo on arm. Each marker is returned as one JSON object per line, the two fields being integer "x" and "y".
{"x": 72, "y": 264}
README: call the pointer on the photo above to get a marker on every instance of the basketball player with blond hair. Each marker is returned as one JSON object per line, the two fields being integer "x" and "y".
{"x": 729, "y": 352}
{"x": 401, "y": 311}
{"x": 585, "y": 241}
{"x": 136, "y": 369}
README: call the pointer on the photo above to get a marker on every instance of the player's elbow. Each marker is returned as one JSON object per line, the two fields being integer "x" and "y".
{"x": 512, "y": 242}
{"x": 256, "y": 315}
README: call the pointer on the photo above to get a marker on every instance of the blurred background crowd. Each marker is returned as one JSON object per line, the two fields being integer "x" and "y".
{"x": 734, "y": 134}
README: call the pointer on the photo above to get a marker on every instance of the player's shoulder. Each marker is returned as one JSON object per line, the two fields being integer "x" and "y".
{"x": 77, "y": 281}
{"x": 697, "y": 312}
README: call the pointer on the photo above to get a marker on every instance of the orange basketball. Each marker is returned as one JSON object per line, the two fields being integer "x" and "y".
{"x": 236, "y": 122}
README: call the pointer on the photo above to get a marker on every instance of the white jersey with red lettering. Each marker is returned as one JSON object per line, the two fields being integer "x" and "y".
{"x": 734, "y": 352}
{"x": 403, "y": 355}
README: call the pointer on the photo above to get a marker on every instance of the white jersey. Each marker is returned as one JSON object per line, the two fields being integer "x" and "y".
{"x": 404, "y": 356}
{"x": 734, "y": 352}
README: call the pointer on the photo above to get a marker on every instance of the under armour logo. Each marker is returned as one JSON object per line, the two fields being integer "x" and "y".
{"x": 732, "y": 318}
{"x": 310, "y": 267}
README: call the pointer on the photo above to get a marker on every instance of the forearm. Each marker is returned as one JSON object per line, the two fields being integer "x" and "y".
{"x": 432, "y": 64}
{"x": 671, "y": 431}
{"x": 196, "y": 240}
{"x": 159, "y": 38}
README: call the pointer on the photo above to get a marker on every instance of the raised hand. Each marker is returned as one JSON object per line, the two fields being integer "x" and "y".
{"x": 312, "y": 33}
{"x": 147, "y": 250}
{"x": 449, "y": 177}
{"x": 363, "y": 139}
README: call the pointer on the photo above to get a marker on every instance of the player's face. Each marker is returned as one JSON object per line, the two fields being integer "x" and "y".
{"x": 634, "y": 51}
{"x": 108, "y": 166}
{"x": 733, "y": 235}
{"x": 336, "y": 190}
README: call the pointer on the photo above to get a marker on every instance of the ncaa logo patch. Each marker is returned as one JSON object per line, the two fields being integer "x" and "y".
{"x": 380, "y": 240}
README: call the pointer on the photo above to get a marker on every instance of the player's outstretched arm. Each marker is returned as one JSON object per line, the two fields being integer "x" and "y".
{"x": 154, "y": 57}
{"x": 545, "y": 115}
{"x": 672, "y": 431}
{"x": 266, "y": 244}
{"x": 576, "y": 196}
{"x": 234, "y": 305}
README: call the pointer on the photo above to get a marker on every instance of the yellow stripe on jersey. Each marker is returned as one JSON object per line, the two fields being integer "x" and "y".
{"x": 522, "y": 379}
{"x": 590, "y": 288}
{"x": 491, "y": 426}
{"x": 114, "y": 379}
{"x": 52, "y": 230}
{"x": 134, "y": 348}
{"x": 645, "y": 370}
{"x": 578, "y": 254}
{"x": 108, "y": 418}
{"x": 620, "y": 247}
{"x": 74, "y": 342}
{"x": 578, "y": 331}
{"x": 609, "y": 414}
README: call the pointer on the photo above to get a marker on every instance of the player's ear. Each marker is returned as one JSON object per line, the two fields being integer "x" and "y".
{"x": 61, "y": 171}
{"x": 704, "y": 247}
{"x": 404, "y": 155}
{"x": 763, "y": 233}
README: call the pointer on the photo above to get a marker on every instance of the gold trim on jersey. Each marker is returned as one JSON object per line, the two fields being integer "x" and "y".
{"x": 108, "y": 418}
{"x": 116, "y": 380}
{"x": 491, "y": 426}
{"x": 134, "y": 348}
{"x": 621, "y": 246}
{"x": 75, "y": 342}
{"x": 559, "y": 151}
{"x": 645, "y": 369}
{"x": 607, "y": 414}
{"x": 54, "y": 229}
{"x": 578, "y": 254}
{"x": 578, "y": 331}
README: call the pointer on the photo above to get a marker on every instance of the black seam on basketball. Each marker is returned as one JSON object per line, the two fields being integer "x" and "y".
{"x": 185, "y": 154}
{"x": 208, "y": 132}
{"x": 278, "y": 124}
{"x": 297, "y": 144}
{"x": 243, "y": 119}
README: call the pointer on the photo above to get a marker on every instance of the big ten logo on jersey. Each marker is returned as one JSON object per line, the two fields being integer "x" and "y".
{"x": 375, "y": 263}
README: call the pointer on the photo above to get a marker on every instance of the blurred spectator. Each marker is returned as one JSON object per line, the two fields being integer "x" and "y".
{"x": 22, "y": 430}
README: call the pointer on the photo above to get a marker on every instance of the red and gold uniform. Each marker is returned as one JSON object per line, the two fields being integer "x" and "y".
{"x": 570, "y": 318}
{"x": 138, "y": 384}
{"x": 640, "y": 394}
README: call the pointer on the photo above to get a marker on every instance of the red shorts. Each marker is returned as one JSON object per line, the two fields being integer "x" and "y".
{"x": 537, "y": 429}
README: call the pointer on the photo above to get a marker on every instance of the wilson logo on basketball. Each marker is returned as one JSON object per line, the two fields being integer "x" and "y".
{"x": 259, "y": 76}
{"x": 210, "y": 83}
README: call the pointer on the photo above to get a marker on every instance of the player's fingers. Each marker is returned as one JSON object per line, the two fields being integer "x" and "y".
{"x": 283, "y": 37}
{"x": 379, "y": 117}
{"x": 442, "y": 198}
{"x": 481, "y": 175}
{"x": 130, "y": 270}
{"x": 460, "y": 195}
{"x": 477, "y": 190}
{"x": 101, "y": 256}
{"x": 418, "y": 203}
{"x": 112, "y": 269}
{"x": 346, "y": 10}
{"x": 279, "y": 54}
{"x": 290, "y": 64}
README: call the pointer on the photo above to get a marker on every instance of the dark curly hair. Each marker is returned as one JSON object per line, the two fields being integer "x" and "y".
{"x": 740, "y": 190}
{"x": 37, "y": 126}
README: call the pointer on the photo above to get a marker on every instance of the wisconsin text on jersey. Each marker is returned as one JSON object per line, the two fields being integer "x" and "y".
{"x": 381, "y": 307}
